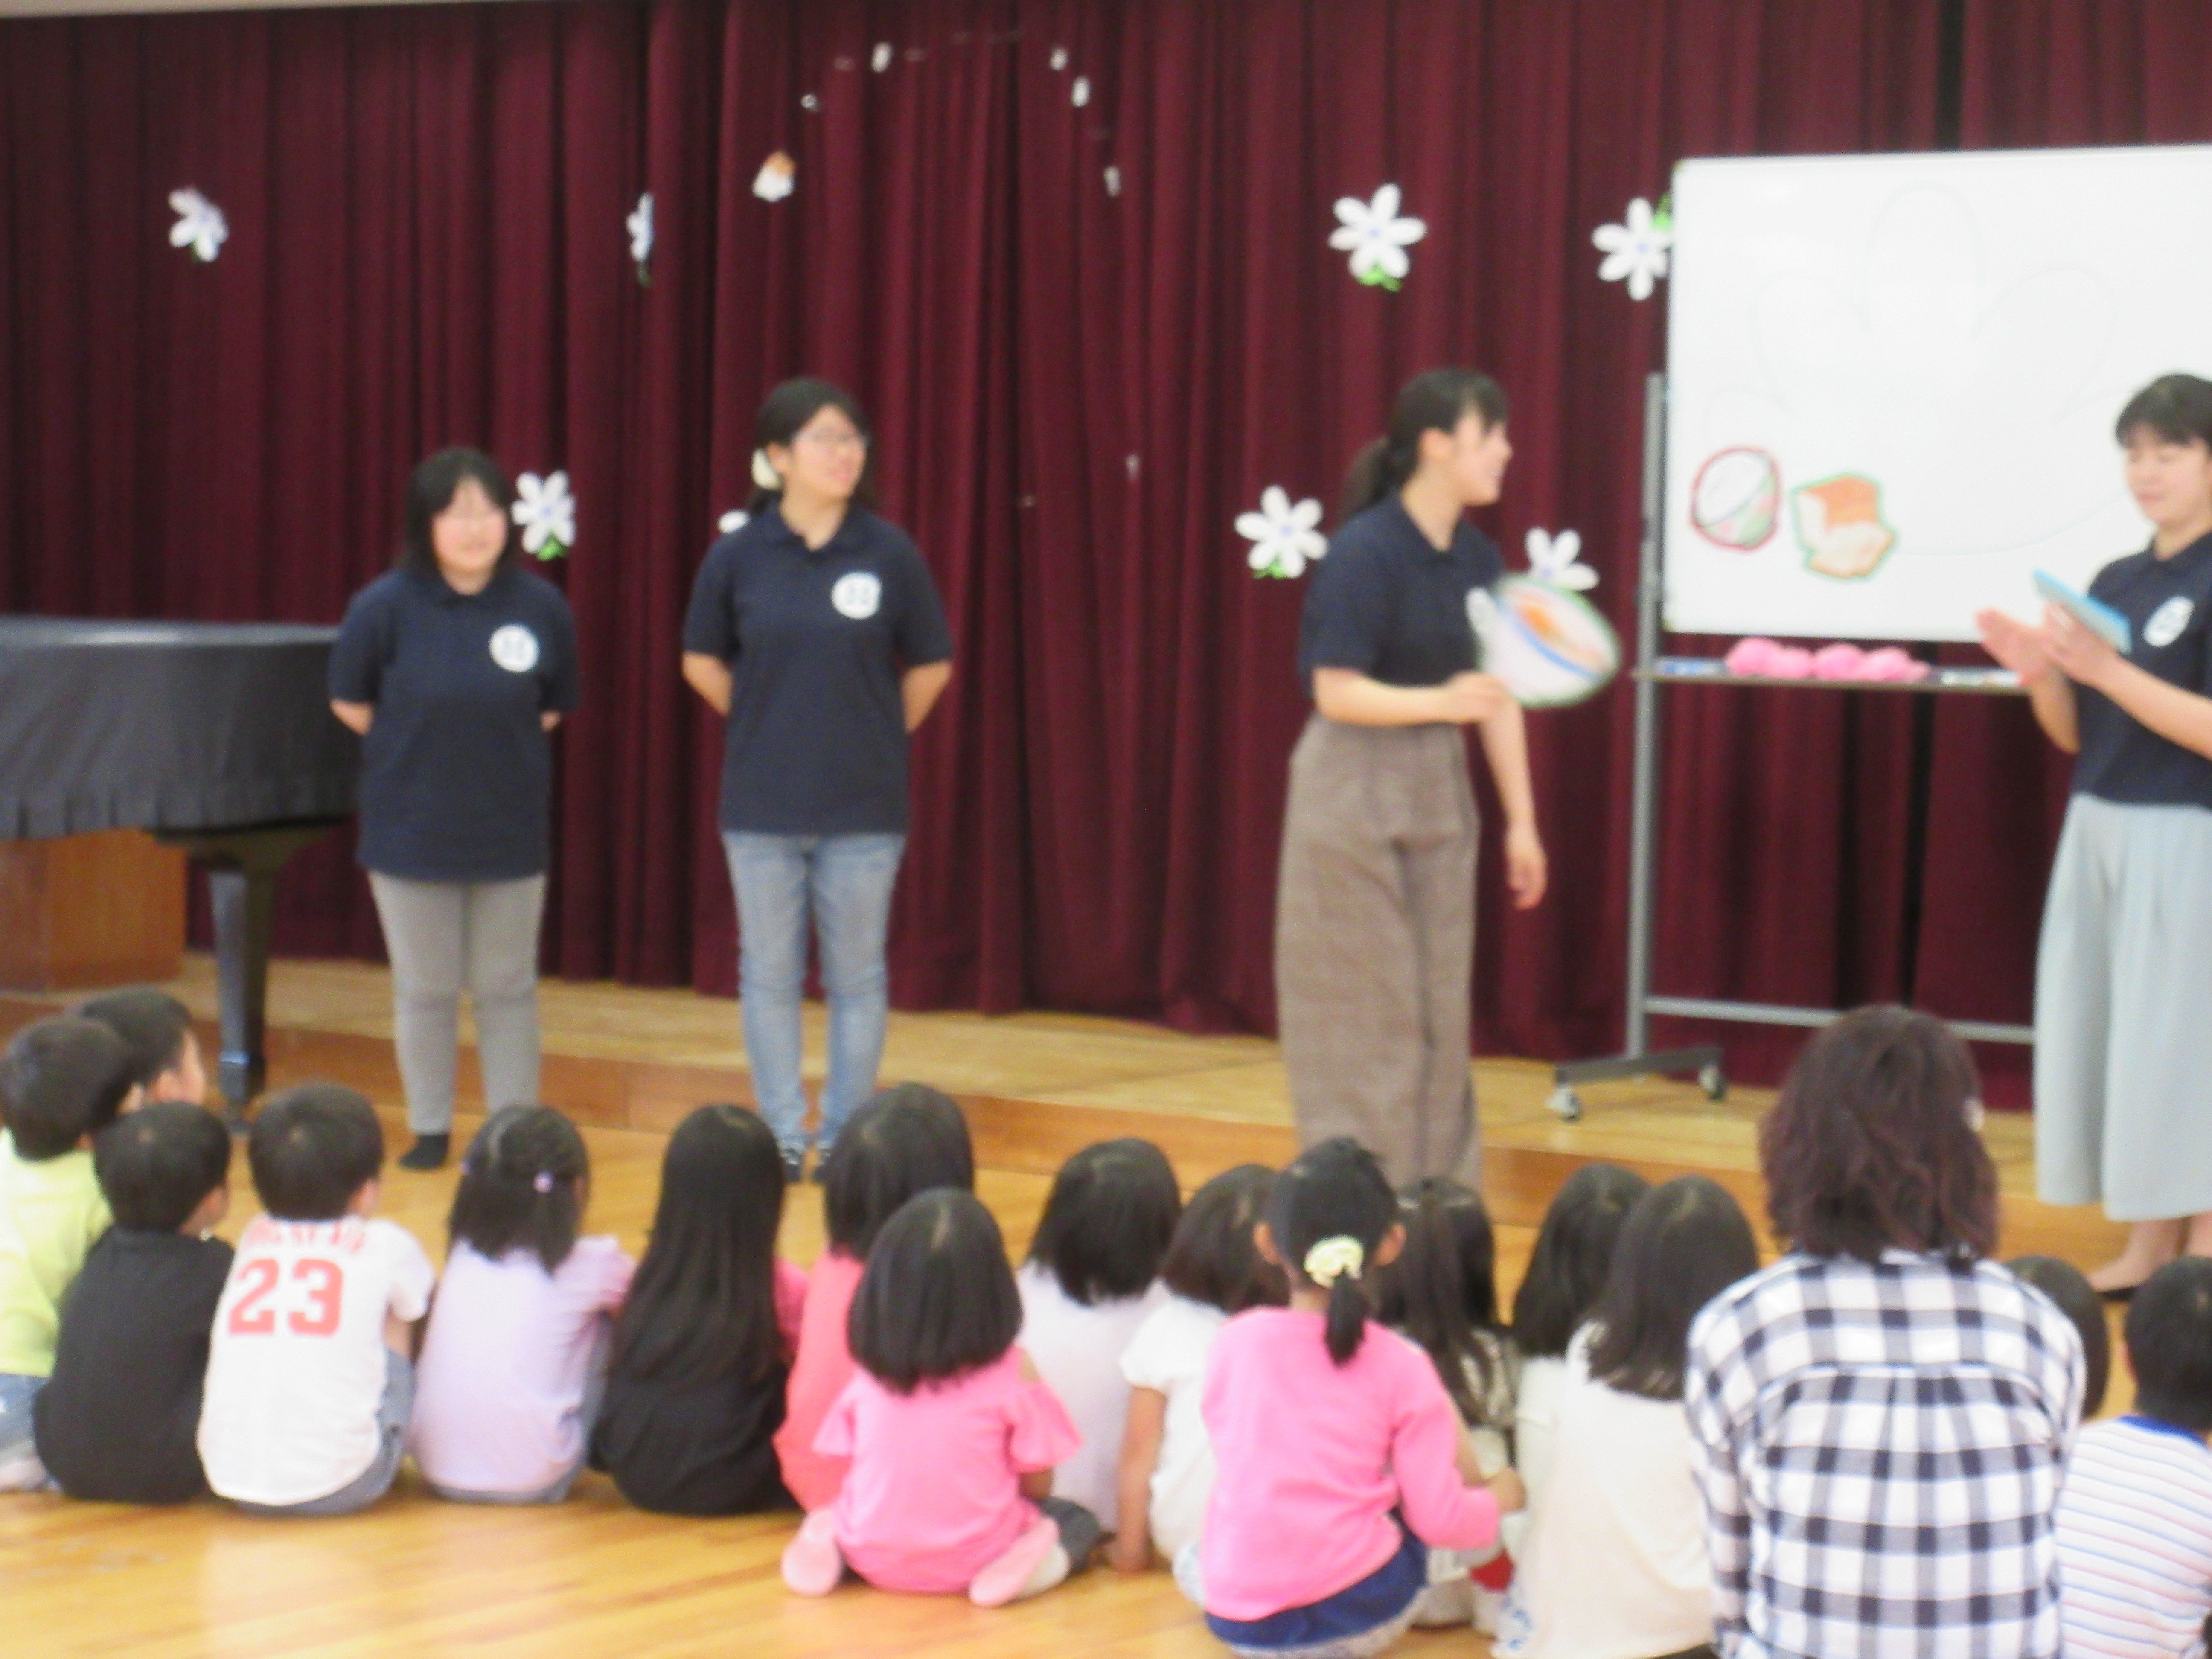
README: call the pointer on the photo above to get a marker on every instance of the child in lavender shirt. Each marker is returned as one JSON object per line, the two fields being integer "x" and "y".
{"x": 515, "y": 1362}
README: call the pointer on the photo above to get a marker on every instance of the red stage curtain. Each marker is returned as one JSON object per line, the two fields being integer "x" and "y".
{"x": 1076, "y": 392}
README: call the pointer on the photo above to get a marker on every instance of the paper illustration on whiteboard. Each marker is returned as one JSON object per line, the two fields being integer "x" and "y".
{"x": 1736, "y": 499}
{"x": 1838, "y": 524}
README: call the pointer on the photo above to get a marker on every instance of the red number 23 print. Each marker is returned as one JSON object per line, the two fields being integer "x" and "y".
{"x": 322, "y": 1293}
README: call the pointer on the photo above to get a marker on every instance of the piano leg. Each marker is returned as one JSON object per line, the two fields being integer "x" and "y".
{"x": 242, "y": 866}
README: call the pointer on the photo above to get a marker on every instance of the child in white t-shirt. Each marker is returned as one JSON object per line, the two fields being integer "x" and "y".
{"x": 1212, "y": 1270}
{"x": 310, "y": 1380}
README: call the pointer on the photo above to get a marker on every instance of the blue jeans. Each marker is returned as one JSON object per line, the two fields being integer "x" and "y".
{"x": 843, "y": 882}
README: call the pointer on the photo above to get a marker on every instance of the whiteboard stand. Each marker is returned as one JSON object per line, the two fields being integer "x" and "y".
{"x": 1704, "y": 1060}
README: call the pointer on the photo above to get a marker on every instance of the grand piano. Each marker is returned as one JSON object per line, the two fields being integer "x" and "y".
{"x": 217, "y": 738}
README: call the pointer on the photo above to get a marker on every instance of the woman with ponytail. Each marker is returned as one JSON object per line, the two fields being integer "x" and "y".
{"x": 1375, "y": 917}
{"x": 1337, "y": 1452}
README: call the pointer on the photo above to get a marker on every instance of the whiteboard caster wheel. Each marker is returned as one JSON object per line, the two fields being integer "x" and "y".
{"x": 1713, "y": 1082}
{"x": 1565, "y": 1104}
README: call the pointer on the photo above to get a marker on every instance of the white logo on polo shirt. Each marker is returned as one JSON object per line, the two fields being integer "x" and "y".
{"x": 857, "y": 595}
{"x": 2166, "y": 623}
{"x": 514, "y": 648}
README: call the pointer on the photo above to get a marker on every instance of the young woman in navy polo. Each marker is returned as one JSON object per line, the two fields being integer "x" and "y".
{"x": 1374, "y": 916}
{"x": 816, "y": 633}
{"x": 2123, "y": 1042}
{"x": 455, "y": 667}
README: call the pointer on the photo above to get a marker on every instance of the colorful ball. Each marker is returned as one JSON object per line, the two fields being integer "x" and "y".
{"x": 1736, "y": 499}
{"x": 1550, "y": 647}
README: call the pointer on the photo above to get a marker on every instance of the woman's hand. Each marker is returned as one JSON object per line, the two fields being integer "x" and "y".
{"x": 2016, "y": 646}
{"x": 1528, "y": 872}
{"x": 356, "y": 717}
{"x": 1471, "y": 698}
{"x": 2081, "y": 655}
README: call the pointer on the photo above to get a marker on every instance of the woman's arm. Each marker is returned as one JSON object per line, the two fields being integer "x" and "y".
{"x": 2179, "y": 716}
{"x": 1132, "y": 1550}
{"x": 920, "y": 687}
{"x": 1505, "y": 746}
{"x": 1349, "y": 697}
{"x": 710, "y": 677}
{"x": 2026, "y": 652}
{"x": 354, "y": 716}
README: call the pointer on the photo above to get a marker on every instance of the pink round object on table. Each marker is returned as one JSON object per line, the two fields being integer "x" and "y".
{"x": 1839, "y": 662}
{"x": 1791, "y": 662}
{"x": 1892, "y": 665}
{"x": 1750, "y": 656}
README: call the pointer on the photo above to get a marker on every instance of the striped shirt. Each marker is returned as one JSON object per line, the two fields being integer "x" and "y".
{"x": 2135, "y": 1542}
{"x": 1878, "y": 1447}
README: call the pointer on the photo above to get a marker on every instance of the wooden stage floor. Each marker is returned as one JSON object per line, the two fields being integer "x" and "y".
{"x": 415, "y": 1577}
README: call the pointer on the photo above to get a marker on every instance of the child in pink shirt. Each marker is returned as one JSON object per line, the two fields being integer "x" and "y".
{"x": 514, "y": 1364}
{"x": 907, "y": 1139}
{"x": 950, "y": 1432}
{"x": 1339, "y": 1459}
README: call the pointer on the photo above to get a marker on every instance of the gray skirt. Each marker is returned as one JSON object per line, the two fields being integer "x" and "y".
{"x": 1375, "y": 944}
{"x": 2123, "y": 1013}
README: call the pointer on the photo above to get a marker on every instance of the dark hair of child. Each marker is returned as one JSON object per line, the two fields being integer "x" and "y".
{"x": 2176, "y": 409}
{"x": 1682, "y": 1246}
{"x": 938, "y": 1297}
{"x": 522, "y": 1187}
{"x": 787, "y": 410}
{"x": 1108, "y": 1220}
{"x": 1572, "y": 1255}
{"x": 2070, "y": 1290}
{"x": 1333, "y": 1189}
{"x": 152, "y": 1024}
{"x": 1872, "y": 1146}
{"x": 158, "y": 1165}
{"x": 312, "y": 1148}
{"x": 430, "y": 490}
{"x": 1442, "y": 1289}
{"x": 62, "y": 1079}
{"x": 1212, "y": 1257}
{"x": 702, "y": 1307}
{"x": 2169, "y": 1334}
{"x": 906, "y": 1139}
{"x": 1436, "y": 400}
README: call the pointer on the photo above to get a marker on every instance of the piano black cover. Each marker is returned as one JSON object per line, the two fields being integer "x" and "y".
{"x": 173, "y": 726}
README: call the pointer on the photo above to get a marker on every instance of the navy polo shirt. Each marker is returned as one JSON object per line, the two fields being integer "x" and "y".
{"x": 1390, "y": 604}
{"x": 816, "y": 639}
{"x": 2168, "y": 606}
{"x": 456, "y": 770}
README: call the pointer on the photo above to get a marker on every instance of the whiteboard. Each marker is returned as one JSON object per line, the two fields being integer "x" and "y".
{"x": 1892, "y": 380}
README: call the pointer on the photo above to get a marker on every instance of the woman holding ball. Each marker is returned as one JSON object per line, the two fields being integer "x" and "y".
{"x": 1375, "y": 915}
{"x": 2123, "y": 1039}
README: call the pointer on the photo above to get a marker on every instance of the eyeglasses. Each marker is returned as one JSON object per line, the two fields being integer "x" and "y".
{"x": 833, "y": 440}
{"x": 471, "y": 515}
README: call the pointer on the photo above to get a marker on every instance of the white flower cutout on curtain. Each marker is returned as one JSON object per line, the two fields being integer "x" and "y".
{"x": 776, "y": 178}
{"x": 765, "y": 476}
{"x": 1377, "y": 238}
{"x": 546, "y": 514}
{"x": 732, "y": 521}
{"x": 200, "y": 225}
{"x": 640, "y": 224}
{"x": 1637, "y": 250}
{"x": 1555, "y": 561}
{"x": 1284, "y": 536}
{"x": 880, "y": 59}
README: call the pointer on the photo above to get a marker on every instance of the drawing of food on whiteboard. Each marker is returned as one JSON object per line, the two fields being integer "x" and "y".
{"x": 1550, "y": 647}
{"x": 1734, "y": 502}
{"x": 1839, "y": 526}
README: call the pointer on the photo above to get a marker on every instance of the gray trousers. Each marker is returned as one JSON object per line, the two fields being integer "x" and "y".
{"x": 442, "y": 936}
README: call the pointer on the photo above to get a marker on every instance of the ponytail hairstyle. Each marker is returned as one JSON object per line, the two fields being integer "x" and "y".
{"x": 521, "y": 1186}
{"x": 1442, "y": 1289}
{"x": 783, "y": 415}
{"x": 1436, "y": 400}
{"x": 1328, "y": 1212}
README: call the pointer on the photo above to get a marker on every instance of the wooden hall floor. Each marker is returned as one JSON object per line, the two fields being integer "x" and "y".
{"x": 592, "y": 1576}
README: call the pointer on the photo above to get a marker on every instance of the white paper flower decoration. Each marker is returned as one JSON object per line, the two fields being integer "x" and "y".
{"x": 1554, "y": 560}
{"x": 776, "y": 178}
{"x": 733, "y": 521}
{"x": 1113, "y": 179}
{"x": 1059, "y": 59}
{"x": 640, "y": 237}
{"x": 200, "y": 225}
{"x": 546, "y": 513}
{"x": 881, "y": 59}
{"x": 1080, "y": 94}
{"x": 1376, "y": 237}
{"x": 1284, "y": 538}
{"x": 1637, "y": 251}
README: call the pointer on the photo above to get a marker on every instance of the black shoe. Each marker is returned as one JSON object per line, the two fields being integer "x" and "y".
{"x": 794, "y": 1164}
{"x": 428, "y": 1152}
{"x": 821, "y": 1166}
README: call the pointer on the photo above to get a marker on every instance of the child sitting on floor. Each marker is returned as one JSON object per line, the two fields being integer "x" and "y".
{"x": 1091, "y": 1277}
{"x": 2071, "y": 1293}
{"x": 117, "y": 1423}
{"x": 1336, "y": 1448}
{"x": 949, "y": 1434}
{"x": 907, "y": 1139}
{"x": 310, "y": 1376}
{"x": 61, "y": 1083}
{"x": 2134, "y": 1523}
{"x": 165, "y": 1054}
{"x": 514, "y": 1358}
{"x": 695, "y": 1385}
{"x": 1212, "y": 1271}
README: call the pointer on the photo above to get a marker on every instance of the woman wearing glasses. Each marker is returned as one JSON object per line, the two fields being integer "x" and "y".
{"x": 455, "y": 667}
{"x": 816, "y": 633}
